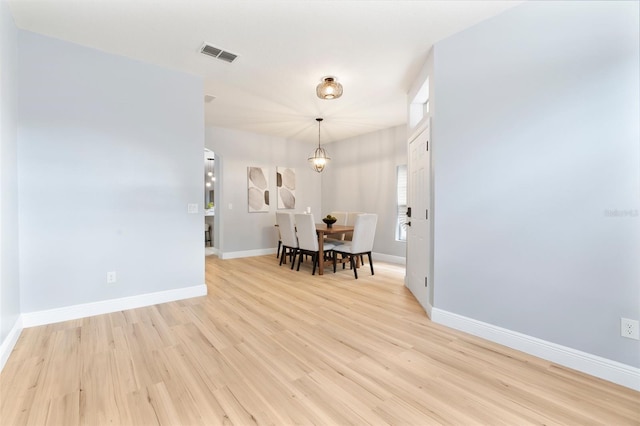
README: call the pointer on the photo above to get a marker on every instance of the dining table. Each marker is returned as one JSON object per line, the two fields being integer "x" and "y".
{"x": 322, "y": 229}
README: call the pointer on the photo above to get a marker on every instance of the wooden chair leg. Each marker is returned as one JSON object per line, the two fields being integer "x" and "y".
{"x": 353, "y": 266}
{"x": 278, "y": 252}
{"x": 293, "y": 259}
{"x": 315, "y": 258}
{"x": 299, "y": 262}
{"x": 370, "y": 262}
{"x": 284, "y": 249}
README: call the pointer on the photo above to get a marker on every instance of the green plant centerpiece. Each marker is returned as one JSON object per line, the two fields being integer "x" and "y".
{"x": 329, "y": 220}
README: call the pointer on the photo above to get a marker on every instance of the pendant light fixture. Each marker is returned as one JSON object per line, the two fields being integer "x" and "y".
{"x": 329, "y": 88}
{"x": 319, "y": 158}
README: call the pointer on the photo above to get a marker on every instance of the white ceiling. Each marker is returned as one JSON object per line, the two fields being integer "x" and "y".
{"x": 374, "y": 48}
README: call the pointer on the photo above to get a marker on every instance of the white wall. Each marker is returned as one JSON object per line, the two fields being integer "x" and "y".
{"x": 362, "y": 177}
{"x": 536, "y": 144}
{"x": 238, "y": 230}
{"x": 110, "y": 154}
{"x": 9, "y": 266}
{"x": 367, "y": 162}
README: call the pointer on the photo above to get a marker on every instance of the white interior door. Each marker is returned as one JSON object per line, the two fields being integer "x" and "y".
{"x": 419, "y": 231}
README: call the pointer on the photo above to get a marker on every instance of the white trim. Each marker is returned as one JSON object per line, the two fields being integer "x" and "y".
{"x": 247, "y": 253}
{"x": 49, "y": 316}
{"x": 211, "y": 251}
{"x": 594, "y": 365}
{"x": 263, "y": 252}
{"x": 10, "y": 342}
{"x": 429, "y": 309}
{"x": 420, "y": 127}
{"x": 389, "y": 258}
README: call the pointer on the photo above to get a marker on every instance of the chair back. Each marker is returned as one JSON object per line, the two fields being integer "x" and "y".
{"x": 306, "y": 230}
{"x": 364, "y": 232}
{"x": 287, "y": 229}
{"x": 341, "y": 217}
{"x": 351, "y": 221}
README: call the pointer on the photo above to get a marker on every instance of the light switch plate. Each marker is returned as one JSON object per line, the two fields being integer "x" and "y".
{"x": 192, "y": 208}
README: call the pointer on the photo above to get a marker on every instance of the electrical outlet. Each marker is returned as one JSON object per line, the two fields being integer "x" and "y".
{"x": 111, "y": 277}
{"x": 629, "y": 328}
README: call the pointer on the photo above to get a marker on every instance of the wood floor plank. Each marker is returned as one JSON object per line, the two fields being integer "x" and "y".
{"x": 191, "y": 387}
{"x": 97, "y": 392}
{"x": 272, "y": 346}
{"x": 142, "y": 409}
{"x": 64, "y": 410}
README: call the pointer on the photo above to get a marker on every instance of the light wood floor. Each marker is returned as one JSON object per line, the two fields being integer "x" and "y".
{"x": 272, "y": 346}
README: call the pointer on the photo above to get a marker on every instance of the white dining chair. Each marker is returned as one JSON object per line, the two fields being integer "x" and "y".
{"x": 308, "y": 240}
{"x": 341, "y": 219}
{"x": 351, "y": 220}
{"x": 364, "y": 232}
{"x": 279, "y": 242}
{"x": 287, "y": 229}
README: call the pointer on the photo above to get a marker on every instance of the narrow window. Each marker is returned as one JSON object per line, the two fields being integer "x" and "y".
{"x": 419, "y": 107}
{"x": 401, "y": 190}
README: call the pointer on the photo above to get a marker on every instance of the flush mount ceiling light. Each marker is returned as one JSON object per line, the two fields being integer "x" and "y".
{"x": 319, "y": 158}
{"x": 329, "y": 88}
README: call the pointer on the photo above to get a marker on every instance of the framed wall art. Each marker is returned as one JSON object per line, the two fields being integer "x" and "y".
{"x": 258, "y": 189}
{"x": 286, "y": 187}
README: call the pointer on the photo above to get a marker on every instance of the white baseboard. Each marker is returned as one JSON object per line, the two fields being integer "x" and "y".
{"x": 594, "y": 365}
{"x": 247, "y": 253}
{"x": 263, "y": 252}
{"x": 10, "y": 342}
{"x": 208, "y": 251}
{"x": 429, "y": 310}
{"x": 389, "y": 258}
{"x": 32, "y": 319}
{"x": 428, "y": 307}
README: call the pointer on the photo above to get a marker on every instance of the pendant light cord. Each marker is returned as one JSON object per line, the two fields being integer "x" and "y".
{"x": 319, "y": 120}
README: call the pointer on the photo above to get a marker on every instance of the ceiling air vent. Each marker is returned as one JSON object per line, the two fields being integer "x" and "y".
{"x": 207, "y": 49}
